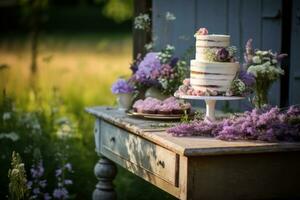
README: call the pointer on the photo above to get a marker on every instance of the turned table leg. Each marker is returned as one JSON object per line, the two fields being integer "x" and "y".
{"x": 105, "y": 171}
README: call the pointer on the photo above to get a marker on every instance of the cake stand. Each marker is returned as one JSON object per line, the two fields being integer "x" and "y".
{"x": 210, "y": 102}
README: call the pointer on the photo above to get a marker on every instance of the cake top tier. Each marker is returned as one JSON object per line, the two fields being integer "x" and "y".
{"x": 212, "y": 37}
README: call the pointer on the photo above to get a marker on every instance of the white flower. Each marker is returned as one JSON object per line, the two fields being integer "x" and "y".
{"x": 264, "y": 53}
{"x": 6, "y": 116}
{"x": 258, "y": 52}
{"x": 274, "y": 61}
{"x": 170, "y": 47}
{"x": 170, "y": 16}
{"x": 149, "y": 46}
{"x": 12, "y": 136}
{"x": 142, "y": 22}
{"x": 256, "y": 59}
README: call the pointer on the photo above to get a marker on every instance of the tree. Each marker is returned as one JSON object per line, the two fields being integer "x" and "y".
{"x": 34, "y": 16}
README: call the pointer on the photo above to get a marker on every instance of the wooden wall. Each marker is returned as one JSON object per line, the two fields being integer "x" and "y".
{"x": 294, "y": 86}
{"x": 242, "y": 19}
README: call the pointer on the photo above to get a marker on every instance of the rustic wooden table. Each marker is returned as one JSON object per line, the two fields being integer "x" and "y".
{"x": 192, "y": 167}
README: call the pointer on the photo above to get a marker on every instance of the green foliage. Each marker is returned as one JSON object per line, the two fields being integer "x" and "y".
{"x": 17, "y": 179}
{"x": 33, "y": 11}
{"x": 50, "y": 121}
{"x": 119, "y": 10}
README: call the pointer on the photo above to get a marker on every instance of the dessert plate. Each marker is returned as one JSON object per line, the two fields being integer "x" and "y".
{"x": 157, "y": 116}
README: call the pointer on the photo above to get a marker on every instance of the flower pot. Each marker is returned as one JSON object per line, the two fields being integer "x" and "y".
{"x": 155, "y": 93}
{"x": 124, "y": 101}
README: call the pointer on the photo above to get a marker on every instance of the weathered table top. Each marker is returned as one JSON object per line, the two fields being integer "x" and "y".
{"x": 187, "y": 146}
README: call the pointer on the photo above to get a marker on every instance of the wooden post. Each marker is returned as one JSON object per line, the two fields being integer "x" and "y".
{"x": 141, "y": 37}
{"x": 105, "y": 171}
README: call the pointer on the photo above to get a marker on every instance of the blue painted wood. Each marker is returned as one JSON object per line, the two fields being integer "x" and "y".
{"x": 212, "y": 15}
{"x": 178, "y": 33}
{"x": 295, "y": 55}
{"x": 271, "y": 38}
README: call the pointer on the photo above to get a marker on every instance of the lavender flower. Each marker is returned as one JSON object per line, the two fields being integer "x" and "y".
{"x": 134, "y": 65}
{"x": 222, "y": 55}
{"x": 61, "y": 191}
{"x": 174, "y": 61}
{"x": 247, "y": 78}
{"x": 248, "y": 53}
{"x": 267, "y": 124}
{"x": 37, "y": 184}
{"x": 121, "y": 86}
{"x": 148, "y": 68}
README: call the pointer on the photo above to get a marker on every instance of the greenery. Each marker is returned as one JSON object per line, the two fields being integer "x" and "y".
{"x": 17, "y": 179}
{"x": 45, "y": 112}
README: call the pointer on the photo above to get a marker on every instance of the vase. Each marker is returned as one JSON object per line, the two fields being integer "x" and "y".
{"x": 124, "y": 101}
{"x": 261, "y": 93}
{"x": 155, "y": 93}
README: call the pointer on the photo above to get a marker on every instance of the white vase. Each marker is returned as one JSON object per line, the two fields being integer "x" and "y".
{"x": 155, "y": 93}
{"x": 124, "y": 101}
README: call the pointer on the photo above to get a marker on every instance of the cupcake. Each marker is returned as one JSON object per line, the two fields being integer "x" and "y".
{"x": 165, "y": 109}
{"x": 137, "y": 106}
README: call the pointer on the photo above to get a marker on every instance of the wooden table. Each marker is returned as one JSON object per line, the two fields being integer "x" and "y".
{"x": 192, "y": 167}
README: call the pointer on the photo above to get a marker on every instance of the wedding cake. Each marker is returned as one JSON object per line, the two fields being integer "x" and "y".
{"x": 215, "y": 66}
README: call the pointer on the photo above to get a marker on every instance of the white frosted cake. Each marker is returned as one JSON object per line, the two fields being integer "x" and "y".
{"x": 215, "y": 66}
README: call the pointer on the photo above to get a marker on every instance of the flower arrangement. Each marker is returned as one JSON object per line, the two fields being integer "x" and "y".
{"x": 227, "y": 54}
{"x": 160, "y": 70}
{"x": 242, "y": 85}
{"x": 265, "y": 66}
{"x": 121, "y": 86}
{"x": 266, "y": 124}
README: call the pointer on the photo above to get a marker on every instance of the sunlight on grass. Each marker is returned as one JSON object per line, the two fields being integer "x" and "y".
{"x": 82, "y": 66}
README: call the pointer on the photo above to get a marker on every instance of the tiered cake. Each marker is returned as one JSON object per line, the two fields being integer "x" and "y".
{"x": 215, "y": 66}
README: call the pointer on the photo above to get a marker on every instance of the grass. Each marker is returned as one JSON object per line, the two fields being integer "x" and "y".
{"x": 74, "y": 71}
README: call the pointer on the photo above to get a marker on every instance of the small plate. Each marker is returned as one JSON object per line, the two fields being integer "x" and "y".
{"x": 156, "y": 116}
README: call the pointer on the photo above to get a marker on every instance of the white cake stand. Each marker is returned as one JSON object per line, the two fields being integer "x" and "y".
{"x": 210, "y": 102}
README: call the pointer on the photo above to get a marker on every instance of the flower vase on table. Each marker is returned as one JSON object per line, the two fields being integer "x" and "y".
{"x": 124, "y": 92}
{"x": 265, "y": 66}
{"x": 155, "y": 93}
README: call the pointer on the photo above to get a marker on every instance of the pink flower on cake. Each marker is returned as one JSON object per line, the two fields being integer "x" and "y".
{"x": 186, "y": 82}
{"x": 202, "y": 31}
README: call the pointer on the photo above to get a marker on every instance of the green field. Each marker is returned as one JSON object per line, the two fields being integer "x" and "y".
{"x": 74, "y": 71}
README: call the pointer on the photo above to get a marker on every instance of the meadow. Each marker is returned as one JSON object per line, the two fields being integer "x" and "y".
{"x": 75, "y": 70}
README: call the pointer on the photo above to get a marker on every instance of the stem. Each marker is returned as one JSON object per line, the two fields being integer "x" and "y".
{"x": 34, "y": 49}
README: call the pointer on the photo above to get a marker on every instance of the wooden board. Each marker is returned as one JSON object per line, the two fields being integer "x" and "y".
{"x": 188, "y": 146}
{"x": 155, "y": 159}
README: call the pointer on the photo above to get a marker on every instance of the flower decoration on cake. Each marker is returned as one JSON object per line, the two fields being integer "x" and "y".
{"x": 202, "y": 31}
{"x": 122, "y": 86}
{"x": 222, "y": 55}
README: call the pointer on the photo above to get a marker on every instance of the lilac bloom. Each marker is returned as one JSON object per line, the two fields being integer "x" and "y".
{"x": 267, "y": 124}
{"x": 247, "y": 78}
{"x": 121, "y": 86}
{"x": 58, "y": 172}
{"x": 68, "y": 182}
{"x": 149, "y": 64}
{"x": 68, "y": 166}
{"x": 60, "y": 193}
{"x": 174, "y": 62}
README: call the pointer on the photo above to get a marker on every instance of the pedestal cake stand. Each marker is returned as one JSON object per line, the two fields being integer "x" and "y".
{"x": 210, "y": 102}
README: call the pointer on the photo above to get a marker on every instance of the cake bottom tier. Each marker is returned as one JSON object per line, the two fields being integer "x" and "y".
{"x": 216, "y": 76}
